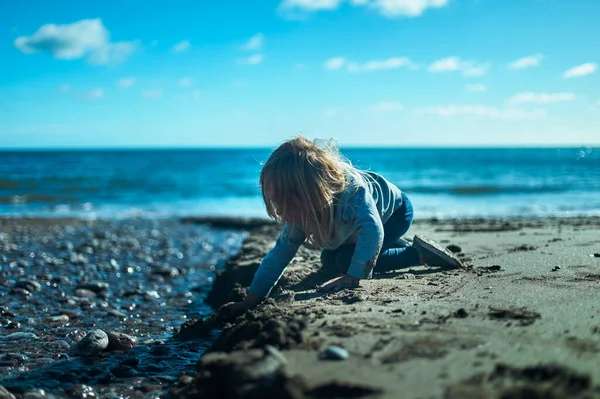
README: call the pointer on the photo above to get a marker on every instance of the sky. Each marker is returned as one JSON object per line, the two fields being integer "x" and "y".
{"x": 200, "y": 73}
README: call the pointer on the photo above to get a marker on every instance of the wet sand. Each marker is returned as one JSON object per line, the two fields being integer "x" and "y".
{"x": 521, "y": 321}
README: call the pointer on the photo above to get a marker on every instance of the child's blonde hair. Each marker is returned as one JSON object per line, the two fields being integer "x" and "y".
{"x": 307, "y": 175}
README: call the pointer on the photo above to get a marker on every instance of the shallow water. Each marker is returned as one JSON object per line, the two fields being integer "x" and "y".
{"x": 145, "y": 278}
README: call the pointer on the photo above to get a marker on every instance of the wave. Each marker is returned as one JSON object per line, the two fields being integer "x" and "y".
{"x": 484, "y": 190}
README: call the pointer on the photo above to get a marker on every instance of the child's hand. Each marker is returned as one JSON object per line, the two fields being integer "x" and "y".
{"x": 339, "y": 283}
{"x": 231, "y": 310}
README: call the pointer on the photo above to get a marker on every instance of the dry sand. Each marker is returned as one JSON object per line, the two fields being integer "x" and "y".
{"x": 521, "y": 321}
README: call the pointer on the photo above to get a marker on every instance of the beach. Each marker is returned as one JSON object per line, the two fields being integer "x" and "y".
{"x": 521, "y": 320}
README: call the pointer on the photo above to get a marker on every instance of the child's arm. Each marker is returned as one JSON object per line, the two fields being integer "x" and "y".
{"x": 270, "y": 270}
{"x": 370, "y": 234}
{"x": 273, "y": 265}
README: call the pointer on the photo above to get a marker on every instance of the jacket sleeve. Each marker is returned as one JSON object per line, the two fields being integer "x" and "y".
{"x": 273, "y": 265}
{"x": 367, "y": 223}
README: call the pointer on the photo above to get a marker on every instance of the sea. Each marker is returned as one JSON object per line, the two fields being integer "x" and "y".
{"x": 442, "y": 183}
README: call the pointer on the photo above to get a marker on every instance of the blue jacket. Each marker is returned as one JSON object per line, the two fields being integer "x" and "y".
{"x": 361, "y": 209}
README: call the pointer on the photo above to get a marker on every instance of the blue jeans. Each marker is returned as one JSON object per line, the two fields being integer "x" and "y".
{"x": 392, "y": 256}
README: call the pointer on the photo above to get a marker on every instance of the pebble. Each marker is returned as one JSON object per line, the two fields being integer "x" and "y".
{"x": 334, "y": 353}
{"x": 596, "y": 255}
{"x": 84, "y": 293}
{"x": 18, "y": 336}
{"x": 95, "y": 286}
{"x": 92, "y": 344}
{"x": 36, "y": 394}
{"x": 555, "y": 268}
{"x": 120, "y": 342}
{"x": 29, "y": 285}
{"x": 63, "y": 318}
{"x": 115, "y": 312}
{"x": 166, "y": 271}
{"x": 4, "y": 394}
{"x": 454, "y": 248}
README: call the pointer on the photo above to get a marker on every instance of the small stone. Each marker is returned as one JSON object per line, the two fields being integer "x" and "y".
{"x": 115, "y": 312}
{"x": 166, "y": 271}
{"x": 36, "y": 394}
{"x": 63, "y": 318}
{"x": 29, "y": 285}
{"x": 95, "y": 286}
{"x": 596, "y": 255}
{"x": 461, "y": 313}
{"x": 4, "y": 394}
{"x": 334, "y": 353}
{"x": 120, "y": 342}
{"x": 92, "y": 344}
{"x": 555, "y": 268}
{"x": 18, "y": 336}
{"x": 84, "y": 293}
{"x": 454, "y": 248}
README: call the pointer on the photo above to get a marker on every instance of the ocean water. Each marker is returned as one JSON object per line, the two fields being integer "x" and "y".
{"x": 171, "y": 183}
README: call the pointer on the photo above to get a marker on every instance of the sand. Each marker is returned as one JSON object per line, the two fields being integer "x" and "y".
{"x": 521, "y": 321}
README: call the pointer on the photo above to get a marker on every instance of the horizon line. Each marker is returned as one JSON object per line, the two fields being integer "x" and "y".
{"x": 267, "y": 147}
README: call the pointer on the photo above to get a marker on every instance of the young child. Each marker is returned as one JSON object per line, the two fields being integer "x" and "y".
{"x": 358, "y": 218}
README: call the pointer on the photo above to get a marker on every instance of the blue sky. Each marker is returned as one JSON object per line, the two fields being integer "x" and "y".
{"x": 252, "y": 73}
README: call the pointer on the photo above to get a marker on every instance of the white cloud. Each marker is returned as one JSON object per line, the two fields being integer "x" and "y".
{"x": 387, "y": 8}
{"x": 251, "y": 60}
{"x": 526, "y": 62}
{"x": 335, "y": 63}
{"x": 126, "y": 82}
{"x": 182, "y": 46}
{"x": 445, "y": 65}
{"x": 292, "y": 7}
{"x": 476, "y": 88}
{"x": 151, "y": 94}
{"x": 255, "y": 43}
{"x": 580, "y": 70}
{"x": 482, "y": 111}
{"x": 389, "y": 63}
{"x": 185, "y": 81}
{"x": 94, "y": 94}
{"x": 64, "y": 88}
{"x": 387, "y": 106}
{"x": 405, "y": 8}
{"x": 541, "y": 98}
{"x": 86, "y": 38}
{"x": 468, "y": 68}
